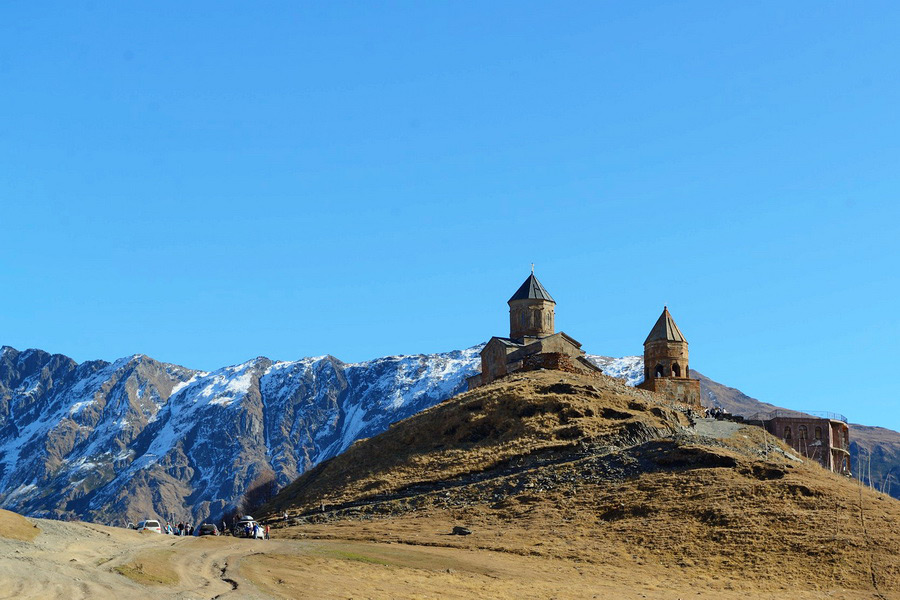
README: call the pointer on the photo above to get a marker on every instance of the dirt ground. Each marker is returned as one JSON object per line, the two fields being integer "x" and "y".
{"x": 80, "y": 560}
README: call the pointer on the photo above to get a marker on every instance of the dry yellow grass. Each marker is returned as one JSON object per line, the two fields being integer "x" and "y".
{"x": 480, "y": 430}
{"x": 735, "y": 509}
{"x": 16, "y": 527}
{"x": 336, "y": 570}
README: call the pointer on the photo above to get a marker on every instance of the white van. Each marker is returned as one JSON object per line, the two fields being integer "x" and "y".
{"x": 149, "y": 525}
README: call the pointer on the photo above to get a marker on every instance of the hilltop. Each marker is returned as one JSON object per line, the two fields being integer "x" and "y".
{"x": 586, "y": 469}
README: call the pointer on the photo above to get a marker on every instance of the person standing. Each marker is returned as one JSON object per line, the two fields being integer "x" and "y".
{"x": 266, "y": 531}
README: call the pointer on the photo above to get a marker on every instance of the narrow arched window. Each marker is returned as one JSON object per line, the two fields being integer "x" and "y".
{"x": 787, "y": 433}
{"x": 801, "y": 432}
{"x": 676, "y": 369}
{"x": 660, "y": 371}
{"x": 818, "y": 433}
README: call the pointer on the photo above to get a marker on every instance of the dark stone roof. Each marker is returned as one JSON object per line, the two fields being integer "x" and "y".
{"x": 506, "y": 341}
{"x": 665, "y": 330}
{"x": 532, "y": 290}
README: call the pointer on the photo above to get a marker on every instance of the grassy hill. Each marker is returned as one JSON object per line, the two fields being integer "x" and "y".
{"x": 587, "y": 470}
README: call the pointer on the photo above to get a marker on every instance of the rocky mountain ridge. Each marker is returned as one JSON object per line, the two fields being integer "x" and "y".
{"x": 111, "y": 441}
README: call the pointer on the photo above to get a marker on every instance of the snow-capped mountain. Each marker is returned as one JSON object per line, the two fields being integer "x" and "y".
{"x": 111, "y": 441}
{"x": 108, "y": 441}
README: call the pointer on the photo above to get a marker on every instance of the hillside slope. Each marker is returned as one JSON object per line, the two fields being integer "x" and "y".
{"x": 111, "y": 441}
{"x": 565, "y": 466}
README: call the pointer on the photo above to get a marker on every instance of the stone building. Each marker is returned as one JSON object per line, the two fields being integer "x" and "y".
{"x": 825, "y": 440}
{"x": 532, "y": 343}
{"x": 666, "y": 369}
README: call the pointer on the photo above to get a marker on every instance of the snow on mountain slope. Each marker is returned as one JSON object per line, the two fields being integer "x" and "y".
{"x": 111, "y": 441}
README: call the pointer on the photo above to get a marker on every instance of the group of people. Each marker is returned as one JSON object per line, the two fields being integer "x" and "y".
{"x": 716, "y": 412}
{"x": 180, "y": 529}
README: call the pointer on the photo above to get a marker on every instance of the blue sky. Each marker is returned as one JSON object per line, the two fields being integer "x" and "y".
{"x": 209, "y": 182}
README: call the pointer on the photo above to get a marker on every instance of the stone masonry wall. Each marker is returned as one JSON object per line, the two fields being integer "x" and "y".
{"x": 555, "y": 361}
{"x": 681, "y": 390}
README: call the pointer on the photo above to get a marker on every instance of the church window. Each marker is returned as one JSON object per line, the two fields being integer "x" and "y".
{"x": 801, "y": 432}
{"x": 818, "y": 433}
{"x": 676, "y": 369}
{"x": 660, "y": 371}
{"x": 787, "y": 433}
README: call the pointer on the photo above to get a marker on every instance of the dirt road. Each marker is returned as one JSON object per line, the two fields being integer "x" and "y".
{"x": 81, "y": 561}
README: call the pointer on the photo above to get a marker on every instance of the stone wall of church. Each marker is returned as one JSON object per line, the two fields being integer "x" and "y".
{"x": 556, "y": 361}
{"x": 672, "y": 357}
{"x": 493, "y": 363}
{"x": 531, "y": 318}
{"x": 679, "y": 390}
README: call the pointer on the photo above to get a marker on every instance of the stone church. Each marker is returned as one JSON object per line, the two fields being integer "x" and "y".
{"x": 533, "y": 344}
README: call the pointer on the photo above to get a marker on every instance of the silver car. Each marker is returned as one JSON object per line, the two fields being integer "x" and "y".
{"x": 245, "y": 527}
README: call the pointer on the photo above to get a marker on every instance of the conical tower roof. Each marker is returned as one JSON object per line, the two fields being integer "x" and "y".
{"x": 665, "y": 329}
{"x": 532, "y": 290}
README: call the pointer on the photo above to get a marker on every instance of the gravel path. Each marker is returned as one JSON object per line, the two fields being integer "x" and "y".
{"x": 716, "y": 429}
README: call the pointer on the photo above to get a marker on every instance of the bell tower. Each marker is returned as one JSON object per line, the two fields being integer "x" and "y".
{"x": 666, "y": 368}
{"x": 531, "y": 311}
{"x": 665, "y": 349}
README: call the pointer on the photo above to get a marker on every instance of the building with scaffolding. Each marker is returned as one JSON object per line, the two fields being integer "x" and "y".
{"x": 820, "y": 436}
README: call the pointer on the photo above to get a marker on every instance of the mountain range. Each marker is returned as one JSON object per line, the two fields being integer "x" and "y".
{"x": 108, "y": 442}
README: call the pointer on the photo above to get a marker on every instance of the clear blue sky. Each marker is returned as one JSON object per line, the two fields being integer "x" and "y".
{"x": 206, "y": 182}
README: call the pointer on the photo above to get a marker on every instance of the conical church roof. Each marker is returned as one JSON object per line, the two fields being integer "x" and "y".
{"x": 665, "y": 329}
{"x": 532, "y": 290}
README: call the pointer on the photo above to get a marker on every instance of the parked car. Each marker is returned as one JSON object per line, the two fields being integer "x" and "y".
{"x": 244, "y": 528}
{"x": 206, "y": 529}
{"x": 149, "y": 525}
